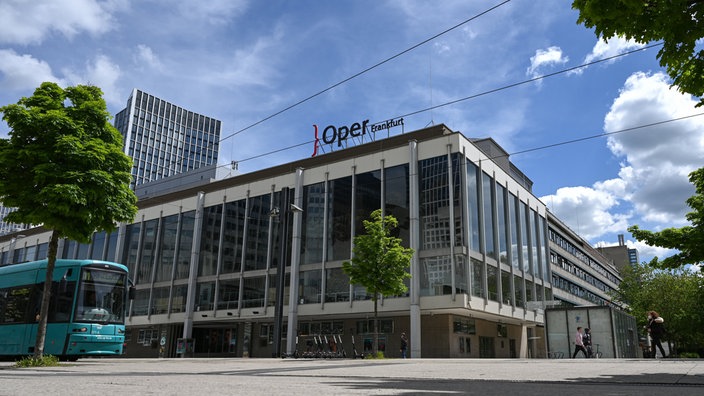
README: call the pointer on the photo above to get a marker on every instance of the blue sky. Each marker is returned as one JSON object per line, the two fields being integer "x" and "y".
{"x": 243, "y": 61}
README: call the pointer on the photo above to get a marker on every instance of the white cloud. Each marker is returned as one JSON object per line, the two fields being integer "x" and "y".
{"x": 545, "y": 58}
{"x": 30, "y": 22}
{"x": 587, "y": 210}
{"x": 652, "y": 184}
{"x": 658, "y": 159}
{"x": 253, "y": 65}
{"x": 605, "y": 49}
{"x": 145, "y": 56}
{"x": 23, "y": 72}
{"x": 101, "y": 72}
{"x": 217, "y": 12}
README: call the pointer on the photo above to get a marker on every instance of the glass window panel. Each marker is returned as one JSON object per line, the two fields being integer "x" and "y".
{"x": 435, "y": 276}
{"x": 258, "y": 232}
{"x": 543, "y": 248}
{"x": 98, "y": 245}
{"x": 178, "y": 300}
{"x": 70, "y": 249}
{"x": 513, "y": 217}
{"x": 529, "y": 291}
{"x": 473, "y": 199}
{"x": 313, "y": 223}
{"x": 169, "y": 235}
{"x": 524, "y": 236}
{"x": 140, "y": 304}
{"x": 131, "y": 246}
{"x": 234, "y": 232}
{"x": 337, "y": 285}
{"x": 30, "y": 253}
{"x": 518, "y": 290}
{"x": 477, "y": 278}
{"x": 146, "y": 262}
{"x": 185, "y": 244}
{"x": 461, "y": 274}
{"x": 532, "y": 216}
{"x": 273, "y": 280}
{"x": 506, "y": 293}
{"x": 492, "y": 282}
{"x": 502, "y": 221}
{"x": 160, "y": 300}
{"x": 205, "y": 295}
{"x": 228, "y": 294}
{"x": 310, "y": 283}
{"x": 42, "y": 251}
{"x": 82, "y": 252}
{"x": 210, "y": 240}
{"x": 112, "y": 246}
{"x": 488, "y": 199}
{"x": 340, "y": 219}
{"x": 396, "y": 193}
{"x": 367, "y": 197}
{"x": 435, "y": 219}
{"x": 253, "y": 295}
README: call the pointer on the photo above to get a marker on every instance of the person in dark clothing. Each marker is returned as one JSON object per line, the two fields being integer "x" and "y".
{"x": 587, "y": 341}
{"x": 656, "y": 329}
{"x": 404, "y": 345}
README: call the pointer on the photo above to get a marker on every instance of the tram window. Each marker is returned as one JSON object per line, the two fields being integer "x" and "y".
{"x": 15, "y": 303}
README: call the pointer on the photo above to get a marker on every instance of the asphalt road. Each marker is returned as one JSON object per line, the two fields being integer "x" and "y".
{"x": 357, "y": 377}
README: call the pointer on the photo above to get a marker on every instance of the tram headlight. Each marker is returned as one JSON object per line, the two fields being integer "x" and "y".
{"x": 81, "y": 330}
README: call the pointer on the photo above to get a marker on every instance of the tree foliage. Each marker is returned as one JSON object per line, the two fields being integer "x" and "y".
{"x": 63, "y": 167}
{"x": 688, "y": 240}
{"x": 678, "y": 23}
{"x": 379, "y": 262}
{"x": 674, "y": 294}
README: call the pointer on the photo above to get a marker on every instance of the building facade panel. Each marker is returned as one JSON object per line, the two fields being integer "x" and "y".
{"x": 206, "y": 260}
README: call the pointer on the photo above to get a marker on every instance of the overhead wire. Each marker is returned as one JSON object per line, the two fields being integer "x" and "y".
{"x": 474, "y": 96}
{"x": 365, "y": 70}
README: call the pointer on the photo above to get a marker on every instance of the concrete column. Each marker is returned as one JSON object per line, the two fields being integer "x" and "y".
{"x": 193, "y": 270}
{"x": 415, "y": 317}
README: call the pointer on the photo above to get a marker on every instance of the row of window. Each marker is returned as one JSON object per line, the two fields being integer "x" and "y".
{"x": 163, "y": 110}
{"x": 575, "y": 270}
{"x": 559, "y": 282}
{"x": 581, "y": 256}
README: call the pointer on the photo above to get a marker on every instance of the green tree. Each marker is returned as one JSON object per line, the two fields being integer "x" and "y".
{"x": 379, "y": 262}
{"x": 63, "y": 167}
{"x": 688, "y": 240}
{"x": 678, "y": 23}
{"x": 674, "y": 294}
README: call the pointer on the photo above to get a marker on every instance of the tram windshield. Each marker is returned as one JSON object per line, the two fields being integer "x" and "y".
{"x": 101, "y": 296}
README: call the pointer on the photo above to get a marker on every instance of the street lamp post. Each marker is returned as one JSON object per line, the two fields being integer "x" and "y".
{"x": 282, "y": 213}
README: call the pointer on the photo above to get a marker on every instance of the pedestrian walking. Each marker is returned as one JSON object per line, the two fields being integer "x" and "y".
{"x": 587, "y": 341}
{"x": 656, "y": 329}
{"x": 579, "y": 343}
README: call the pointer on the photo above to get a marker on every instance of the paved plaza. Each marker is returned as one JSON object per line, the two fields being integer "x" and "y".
{"x": 357, "y": 377}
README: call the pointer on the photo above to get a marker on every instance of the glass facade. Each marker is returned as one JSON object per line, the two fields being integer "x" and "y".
{"x": 477, "y": 236}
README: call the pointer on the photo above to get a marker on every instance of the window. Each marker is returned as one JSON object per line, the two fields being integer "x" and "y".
{"x": 386, "y": 326}
{"x": 464, "y": 326}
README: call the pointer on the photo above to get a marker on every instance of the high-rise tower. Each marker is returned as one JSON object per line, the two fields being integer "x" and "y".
{"x": 164, "y": 139}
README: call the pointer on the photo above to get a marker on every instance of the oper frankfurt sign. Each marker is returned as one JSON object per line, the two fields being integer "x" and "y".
{"x": 339, "y": 135}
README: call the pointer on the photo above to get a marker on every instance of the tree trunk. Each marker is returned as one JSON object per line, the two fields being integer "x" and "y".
{"x": 375, "y": 347}
{"x": 46, "y": 296}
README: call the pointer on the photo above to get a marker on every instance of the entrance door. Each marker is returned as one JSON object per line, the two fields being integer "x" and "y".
{"x": 486, "y": 347}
